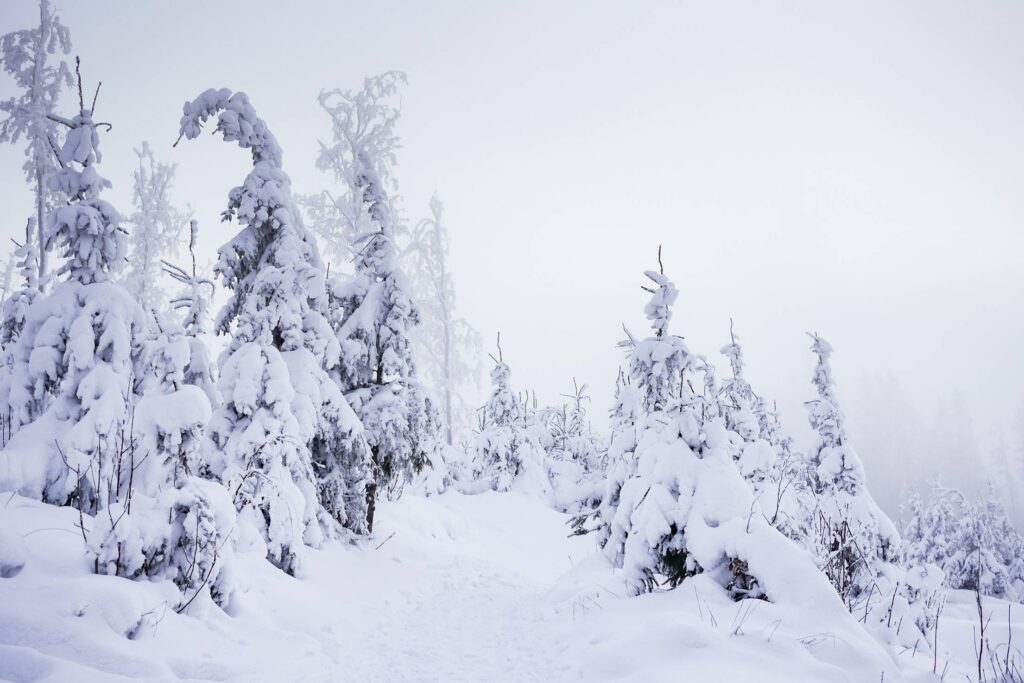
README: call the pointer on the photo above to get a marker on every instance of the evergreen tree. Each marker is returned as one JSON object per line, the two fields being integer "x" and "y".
{"x": 625, "y": 418}
{"x": 372, "y": 311}
{"x": 27, "y": 55}
{"x": 505, "y": 453}
{"x": 682, "y": 507}
{"x": 17, "y": 302}
{"x": 77, "y": 347}
{"x": 281, "y": 413}
{"x": 975, "y": 545}
{"x": 194, "y": 302}
{"x": 91, "y": 373}
{"x": 757, "y": 459}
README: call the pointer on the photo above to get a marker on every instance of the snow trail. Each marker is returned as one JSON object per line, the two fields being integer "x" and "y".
{"x": 460, "y": 596}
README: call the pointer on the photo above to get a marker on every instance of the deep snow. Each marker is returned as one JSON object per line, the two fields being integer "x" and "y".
{"x": 451, "y": 588}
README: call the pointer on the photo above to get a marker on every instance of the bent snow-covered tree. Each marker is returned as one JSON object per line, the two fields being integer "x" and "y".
{"x": 281, "y": 415}
{"x": 447, "y": 346}
{"x": 857, "y": 542}
{"x": 372, "y": 311}
{"x": 26, "y": 56}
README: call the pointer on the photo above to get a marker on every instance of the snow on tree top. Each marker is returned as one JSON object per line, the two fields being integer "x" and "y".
{"x": 237, "y": 122}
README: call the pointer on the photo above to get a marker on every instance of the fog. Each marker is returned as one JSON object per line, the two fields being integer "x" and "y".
{"x": 853, "y": 170}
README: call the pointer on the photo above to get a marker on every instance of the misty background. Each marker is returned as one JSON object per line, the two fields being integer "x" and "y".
{"x": 871, "y": 194}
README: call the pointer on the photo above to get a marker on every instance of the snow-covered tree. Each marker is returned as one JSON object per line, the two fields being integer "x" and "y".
{"x": 505, "y": 453}
{"x": 194, "y": 303}
{"x": 756, "y": 457}
{"x": 281, "y": 415}
{"x": 857, "y": 542}
{"x": 17, "y": 301}
{"x": 77, "y": 351}
{"x": 572, "y": 437}
{"x": 446, "y": 347}
{"x": 625, "y": 418}
{"x": 91, "y": 373}
{"x": 32, "y": 58}
{"x": 575, "y": 454}
{"x": 974, "y": 544}
{"x": 171, "y": 522}
{"x": 372, "y": 311}
{"x": 682, "y": 507}
{"x": 156, "y": 225}
{"x": 8, "y": 275}
{"x": 363, "y": 125}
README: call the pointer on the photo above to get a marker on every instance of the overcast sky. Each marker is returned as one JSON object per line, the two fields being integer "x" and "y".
{"x": 854, "y": 169}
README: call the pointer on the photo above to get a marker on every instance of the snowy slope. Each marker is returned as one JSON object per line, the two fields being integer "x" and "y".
{"x": 452, "y": 588}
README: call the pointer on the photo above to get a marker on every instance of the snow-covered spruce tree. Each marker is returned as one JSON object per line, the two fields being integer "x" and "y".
{"x": 18, "y": 301}
{"x": 156, "y": 225}
{"x": 576, "y": 457}
{"x": 683, "y": 508}
{"x": 194, "y": 303}
{"x": 8, "y": 277}
{"x": 16, "y": 304}
{"x": 504, "y": 454}
{"x": 91, "y": 374}
{"x": 764, "y": 453}
{"x": 857, "y": 542}
{"x": 77, "y": 350}
{"x": 446, "y": 347}
{"x": 31, "y": 57}
{"x": 755, "y": 456}
{"x": 372, "y": 311}
{"x": 788, "y": 501}
{"x": 625, "y": 417}
{"x": 290, "y": 446}
{"x": 974, "y": 544}
{"x": 172, "y": 522}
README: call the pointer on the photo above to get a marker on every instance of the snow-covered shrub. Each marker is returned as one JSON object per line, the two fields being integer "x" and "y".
{"x": 179, "y": 535}
{"x": 279, "y": 405}
{"x": 372, "y": 312}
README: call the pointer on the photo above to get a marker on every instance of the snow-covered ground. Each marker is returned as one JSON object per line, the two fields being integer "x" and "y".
{"x": 451, "y": 588}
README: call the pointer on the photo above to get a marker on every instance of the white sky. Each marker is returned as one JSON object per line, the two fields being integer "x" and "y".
{"x": 854, "y": 169}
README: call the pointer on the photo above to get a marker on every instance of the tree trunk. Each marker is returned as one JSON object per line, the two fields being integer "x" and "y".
{"x": 40, "y": 228}
{"x": 371, "y": 505}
